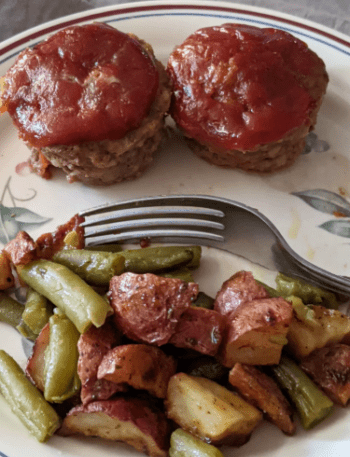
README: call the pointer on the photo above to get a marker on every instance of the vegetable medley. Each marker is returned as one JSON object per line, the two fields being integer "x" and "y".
{"x": 128, "y": 348}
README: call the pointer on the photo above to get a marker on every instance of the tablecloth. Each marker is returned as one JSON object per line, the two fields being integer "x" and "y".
{"x": 19, "y": 15}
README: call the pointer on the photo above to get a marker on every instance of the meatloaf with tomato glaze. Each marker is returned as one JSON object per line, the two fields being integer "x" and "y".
{"x": 90, "y": 100}
{"x": 246, "y": 97}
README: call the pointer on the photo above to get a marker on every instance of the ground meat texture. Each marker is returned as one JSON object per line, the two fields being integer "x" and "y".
{"x": 246, "y": 97}
{"x": 147, "y": 307}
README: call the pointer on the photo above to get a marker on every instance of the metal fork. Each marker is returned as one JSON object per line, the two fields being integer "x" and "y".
{"x": 210, "y": 221}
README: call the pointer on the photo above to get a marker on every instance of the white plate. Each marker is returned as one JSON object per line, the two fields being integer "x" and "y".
{"x": 309, "y": 220}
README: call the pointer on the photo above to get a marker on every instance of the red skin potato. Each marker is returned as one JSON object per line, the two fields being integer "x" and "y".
{"x": 49, "y": 243}
{"x": 329, "y": 367}
{"x": 140, "y": 366}
{"x": 249, "y": 331}
{"x": 262, "y": 392}
{"x": 200, "y": 329}
{"x": 21, "y": 250}
{"x": 239, "y": 288}
{"x": 92, "y": 347}
{"x": 36, "y": 362}
{"x": 147, "y": 308}
{"x": 112, "y": 419}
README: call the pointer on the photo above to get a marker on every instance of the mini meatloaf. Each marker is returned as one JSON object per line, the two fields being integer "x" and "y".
{"x": 90, "y": 100}
{"x": 246, "y": 97}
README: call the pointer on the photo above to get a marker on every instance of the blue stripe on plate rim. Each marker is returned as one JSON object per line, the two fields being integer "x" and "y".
{"x": 230, "y": 13}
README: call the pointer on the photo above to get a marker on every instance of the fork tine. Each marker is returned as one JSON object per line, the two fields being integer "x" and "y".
{"x": 128, "y": 213}
{"x": 162, "y": 200}
{"x": 156, "y": 235}
{"x": 165, "y": 223}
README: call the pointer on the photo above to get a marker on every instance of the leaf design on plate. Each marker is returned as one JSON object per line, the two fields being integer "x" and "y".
{"x": 325, "y": 201}
{"x": 14, "y": 219}
{"x": 337, "y": 227}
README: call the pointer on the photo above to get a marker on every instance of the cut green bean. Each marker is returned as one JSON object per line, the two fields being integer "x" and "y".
{"x": 310, "y": 295}
{"x": 61, "y": 360}
{"x": 10, "y": 310}
{"x": 311, "y": 403}
{"x": 95, "y": 267}
{"x": 162, "y": 258}
{"x": 25, "y": 400}
{"x": 105, "y": 248}
{"x": 66, "y": 290}
{"x": 183, "y": 444}
{"x": 183, "y": 273}
{"x": 204, "y": 301}
{"x": 36, "y": 314}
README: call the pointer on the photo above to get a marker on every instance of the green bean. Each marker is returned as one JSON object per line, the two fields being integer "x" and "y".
{"x": 197, "y": 254}
{"x": 36, "y": 314}
{"x": 204, "y": 301}
{"x": 311, "y": 403}
{"x": 61, "y": 359}
{"x": 183, "y": 273}
{"x": 95, "y": 267}
{"x": 105, "y": 248}
{"x": 68, "y": 292}
{"x": 25, "y": 400}
{"x": 10, "y": 310}
{"x": 162, "y": 258}
{"x": 183, "y": 444}
{"x": 311, "y": 295}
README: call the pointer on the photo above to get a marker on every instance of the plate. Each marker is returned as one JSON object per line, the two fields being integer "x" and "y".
{"x": 309, "y": 203}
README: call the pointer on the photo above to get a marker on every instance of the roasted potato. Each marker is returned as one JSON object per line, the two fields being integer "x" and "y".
{"x": 256, "y": 332}
{"x": 131, "y": 420}
{"x": 36, "y": 362}
{"x": 147, "y": 307}
{"x": 92, "y": 347}
{"x": 7, "y": 279}
{"x": 322, "y": 328}
{"x": 21, "y": 250}
{"x": 262, "y": 391}
{"x": 140, "y": 366}
{"x": 329, "y": 368}
{"x": 210, "y": 411}
{"x": 238, "y": 289}
{"x": 199, "y": 329}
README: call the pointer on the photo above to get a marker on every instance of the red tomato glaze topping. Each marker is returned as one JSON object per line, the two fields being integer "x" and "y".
{"x": 237, "y": 86}
{"x": 85, "y": 83}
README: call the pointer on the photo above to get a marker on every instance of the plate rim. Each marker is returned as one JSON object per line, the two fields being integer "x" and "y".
{"x": 149, "y": 5}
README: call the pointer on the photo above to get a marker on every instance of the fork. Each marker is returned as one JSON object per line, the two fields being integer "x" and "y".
{"x": 209, "y": 221}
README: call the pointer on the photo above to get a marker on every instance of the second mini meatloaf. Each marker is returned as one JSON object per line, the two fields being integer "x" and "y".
{"x": 246, "y": 97}
{"x": 90, "y": 100}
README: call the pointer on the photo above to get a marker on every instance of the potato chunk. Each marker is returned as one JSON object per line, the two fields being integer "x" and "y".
{"x": 209, "y": 411}
{"x": 329, "y": 367}
{"x": 21, "y": 250}
{"x": 256, "y": 332}
{"x": 140, "y": 366}
{"x": 238, "y": 289}
{"x": 328, "y": 326}
{"x": 199, "y": 329}
{"x": 262, "y": 391}
{"x": 147, "y": 307}
{"x": 92, "y": 347}
{"x": 7, "y": 279}
{"x": 130, "y": 420}
{"x": 36, "y": 362}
